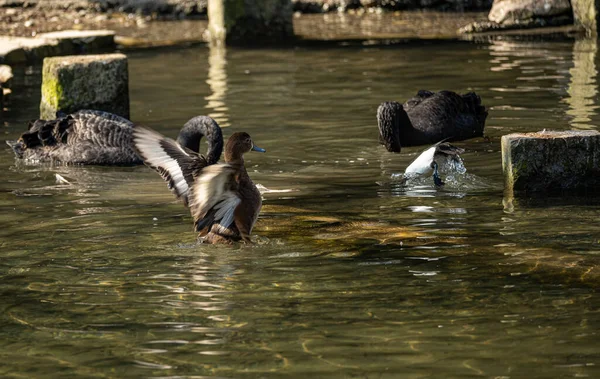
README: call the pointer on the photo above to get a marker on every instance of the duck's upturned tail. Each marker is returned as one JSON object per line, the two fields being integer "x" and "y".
{"x": 447, "y": 149}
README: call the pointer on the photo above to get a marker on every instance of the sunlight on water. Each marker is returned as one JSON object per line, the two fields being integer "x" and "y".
{"x": 353, "y": 273}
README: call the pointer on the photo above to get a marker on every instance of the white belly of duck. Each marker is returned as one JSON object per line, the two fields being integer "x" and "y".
{"x": 422, "y": 165}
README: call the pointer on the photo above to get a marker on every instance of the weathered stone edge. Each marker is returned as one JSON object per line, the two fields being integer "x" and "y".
{"x": 57, "y": 44}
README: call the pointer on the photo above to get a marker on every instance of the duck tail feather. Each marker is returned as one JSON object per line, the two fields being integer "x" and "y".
{"x": 449, "y": 149}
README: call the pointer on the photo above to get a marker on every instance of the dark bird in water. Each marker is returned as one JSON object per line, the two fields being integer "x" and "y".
{"x": 96, "y": 137}
{"x": 430, "y": 117}
{"x": 223, "y": 200}
{"x": 431, "y": 159}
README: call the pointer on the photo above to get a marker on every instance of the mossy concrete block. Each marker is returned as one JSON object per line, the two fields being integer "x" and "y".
{"x": 98, "y": 82}
{"x": 247, "y": 22}
{"x": 551, "y": 161}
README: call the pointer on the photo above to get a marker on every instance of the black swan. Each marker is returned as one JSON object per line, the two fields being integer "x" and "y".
{"x": 430, "y": 117}
{"x": 97, "y": 137}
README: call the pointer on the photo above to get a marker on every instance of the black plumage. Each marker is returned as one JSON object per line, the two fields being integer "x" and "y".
{"x": 430, "y": 117}
{"x": 97, "y": 137}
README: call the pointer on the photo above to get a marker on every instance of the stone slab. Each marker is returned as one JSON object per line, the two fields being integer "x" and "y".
{"x": 551, "y": 161}
{"x": 14, "y": 50}
{"x": 71, "y": 83}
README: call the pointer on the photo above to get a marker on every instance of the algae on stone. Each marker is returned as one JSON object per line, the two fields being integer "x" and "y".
{"x": 85, "y": 82}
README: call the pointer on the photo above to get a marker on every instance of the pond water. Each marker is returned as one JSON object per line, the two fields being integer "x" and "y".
{"x": 352, "y": 275}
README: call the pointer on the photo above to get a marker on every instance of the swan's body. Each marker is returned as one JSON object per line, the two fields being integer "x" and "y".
{"x": 429, "y": 161}
{"x": 430, "y": 117}
{"x": 96, "y": 137}
{"x": 223, "y": 200}
{"x": 86, "y": 137}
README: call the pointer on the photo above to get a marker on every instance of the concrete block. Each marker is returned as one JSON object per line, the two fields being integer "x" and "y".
{"x": 586, "y": 14}
{"x": 245, "y": 22}
{"x": 551, "y": 161}
{"x": 98, "y": 82}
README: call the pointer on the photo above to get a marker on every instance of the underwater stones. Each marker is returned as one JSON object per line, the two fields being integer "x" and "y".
{"x": 246, "y": 22}
{"x": 99, "y": 82}
{"x": 551, "y": 161}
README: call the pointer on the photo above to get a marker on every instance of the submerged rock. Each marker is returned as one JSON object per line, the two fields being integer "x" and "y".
{"x": 511, "y": 11}
{"x": 523, "y": 14}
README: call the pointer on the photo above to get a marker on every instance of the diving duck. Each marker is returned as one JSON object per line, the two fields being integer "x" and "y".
{"x": 430, "y": 117}
{"x": 430, "y": 160}
{"x": 97, "y": 137}
{"x": 223, "y": 200}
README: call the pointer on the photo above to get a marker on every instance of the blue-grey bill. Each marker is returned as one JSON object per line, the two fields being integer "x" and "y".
{"x": 256, "y": 148}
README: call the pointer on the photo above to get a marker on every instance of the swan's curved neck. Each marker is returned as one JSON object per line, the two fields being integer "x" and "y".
{"x": 202, "y": 126}
{"x": 390, "y": 118}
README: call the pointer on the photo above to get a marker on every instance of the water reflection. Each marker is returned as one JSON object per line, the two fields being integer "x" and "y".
{"x": 217, "y": 80}
{"x": 344, "y": 282}
{"x": 583, "y": 87}
{"x": 535, "y": 65}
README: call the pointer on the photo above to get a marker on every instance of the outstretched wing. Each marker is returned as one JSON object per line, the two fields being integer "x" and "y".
{"x": 177, "y": 165}
{"x": 213, "y": 198}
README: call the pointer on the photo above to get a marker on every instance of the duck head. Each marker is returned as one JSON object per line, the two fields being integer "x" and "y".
{"x": 391, "y": 116}
{"x": 239, "y": 144}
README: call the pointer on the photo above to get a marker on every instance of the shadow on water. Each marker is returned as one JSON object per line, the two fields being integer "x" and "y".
{"x": 351, "y": 275}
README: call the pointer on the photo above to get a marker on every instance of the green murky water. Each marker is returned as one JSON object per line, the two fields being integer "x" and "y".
{"x": 352, "y": 275}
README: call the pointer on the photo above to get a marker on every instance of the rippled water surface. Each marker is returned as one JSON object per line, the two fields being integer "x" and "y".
{"x": 352, "y": 275}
